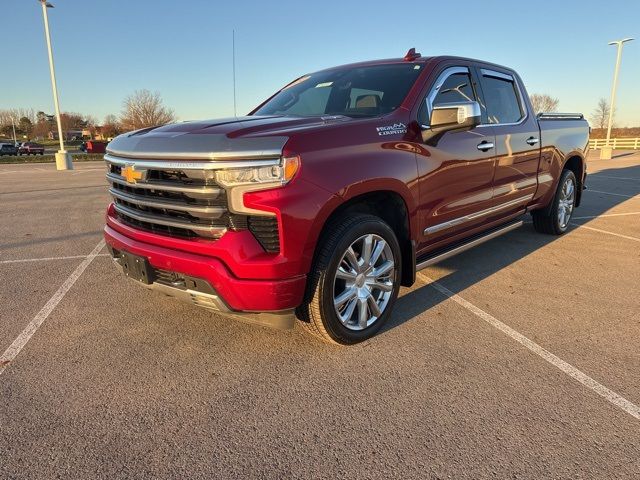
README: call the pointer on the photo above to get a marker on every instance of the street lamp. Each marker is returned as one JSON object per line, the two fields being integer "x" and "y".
{"x": 63, "y": 158}
{"x": 13, "y": 124}
{"x": 605, "y": 153}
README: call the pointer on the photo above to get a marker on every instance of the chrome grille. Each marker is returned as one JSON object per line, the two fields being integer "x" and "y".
{"x": 168, "y": 200}
{"x": 182, "y": 199}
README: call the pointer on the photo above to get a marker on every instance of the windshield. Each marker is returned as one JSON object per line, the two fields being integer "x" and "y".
{"x": 354, "y": 92}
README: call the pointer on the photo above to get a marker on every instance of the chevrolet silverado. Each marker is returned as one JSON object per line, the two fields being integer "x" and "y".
{"x": 332, "y": 193}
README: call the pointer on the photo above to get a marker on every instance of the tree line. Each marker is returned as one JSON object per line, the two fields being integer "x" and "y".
{"x": 144, "y": 109}
{"x": 141, "y": 109}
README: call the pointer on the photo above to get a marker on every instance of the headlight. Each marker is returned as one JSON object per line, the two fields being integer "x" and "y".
{"x": 238, "y": 181}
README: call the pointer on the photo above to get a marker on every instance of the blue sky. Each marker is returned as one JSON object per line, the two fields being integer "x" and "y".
{"x": 106, "y": 49}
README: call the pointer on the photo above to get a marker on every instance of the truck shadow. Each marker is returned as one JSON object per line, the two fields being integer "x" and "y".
{"x": 481, "y": 262}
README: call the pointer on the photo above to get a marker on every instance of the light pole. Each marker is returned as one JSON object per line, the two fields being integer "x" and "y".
{"x": 13, "y": 124}
{"x": 63, "y": 158}
{"x": 606, "y": 152}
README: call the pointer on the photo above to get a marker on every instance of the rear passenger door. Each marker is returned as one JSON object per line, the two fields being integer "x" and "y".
{"x": 517, "y": 138}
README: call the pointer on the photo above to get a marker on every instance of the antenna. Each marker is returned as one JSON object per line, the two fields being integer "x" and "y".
{"x": 233, "y": 42}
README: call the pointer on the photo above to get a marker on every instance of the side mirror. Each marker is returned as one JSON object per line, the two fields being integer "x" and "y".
{"x": 455, "y": 116}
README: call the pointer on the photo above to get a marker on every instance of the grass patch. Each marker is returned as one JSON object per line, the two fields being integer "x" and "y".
{"x": 84, "y": 157}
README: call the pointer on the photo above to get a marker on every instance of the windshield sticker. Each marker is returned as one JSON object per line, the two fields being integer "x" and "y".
{"x": 396, "y": 128}
{"x": 325, "y": 84}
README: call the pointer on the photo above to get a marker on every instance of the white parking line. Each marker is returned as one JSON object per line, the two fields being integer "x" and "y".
{"x": 19, "y": 343}
{"x": 557, "y": 362}
{"x": 44, "y": 259}
{"x": 597, "y": 175}
{"x": 615, "y": 194}
{"x": 607, "y": 232}
{"x": 78, "y": 172}
{"x": 607, "y": 215}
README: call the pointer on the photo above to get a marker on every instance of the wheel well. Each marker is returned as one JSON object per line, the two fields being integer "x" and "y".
{"x": 576, "y": 165}
{"x": 392, "y": 209}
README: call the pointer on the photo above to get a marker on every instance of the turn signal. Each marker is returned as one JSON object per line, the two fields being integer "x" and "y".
{"x": 290, "y": 168}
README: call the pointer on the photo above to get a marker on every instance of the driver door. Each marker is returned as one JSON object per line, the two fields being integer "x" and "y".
{"x": 455, "y": 172}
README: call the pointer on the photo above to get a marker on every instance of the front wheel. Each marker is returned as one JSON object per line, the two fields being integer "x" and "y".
{"x": 354, "y": 282}
{"x": 556, "y": 220}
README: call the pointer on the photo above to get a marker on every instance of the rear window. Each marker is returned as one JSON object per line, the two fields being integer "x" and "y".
{"x": 354, "y": 92}
{"x": 501, "y": 96}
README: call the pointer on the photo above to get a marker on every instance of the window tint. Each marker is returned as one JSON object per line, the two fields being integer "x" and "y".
{"x": 503, "y": 104}
{"x": 352, "y": 91}
{"x": 456, "y": 88}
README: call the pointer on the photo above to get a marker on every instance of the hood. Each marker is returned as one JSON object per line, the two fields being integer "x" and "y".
{"x": 252, "y": 137}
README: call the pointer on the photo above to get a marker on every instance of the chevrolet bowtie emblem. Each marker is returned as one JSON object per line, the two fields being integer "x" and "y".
{"x": 130, "y": 174}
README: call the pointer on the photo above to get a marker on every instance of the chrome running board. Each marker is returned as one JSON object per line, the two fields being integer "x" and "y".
{"x": 474, "y": 241}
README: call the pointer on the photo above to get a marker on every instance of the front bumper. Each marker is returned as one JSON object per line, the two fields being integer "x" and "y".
{"x": 269, "y": 302}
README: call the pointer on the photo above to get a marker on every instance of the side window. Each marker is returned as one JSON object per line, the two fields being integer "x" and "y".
{"x": 502, "y": 99}
{"x": 456, "y": 87}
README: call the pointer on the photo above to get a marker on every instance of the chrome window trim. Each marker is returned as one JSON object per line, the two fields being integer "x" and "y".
{"x": 157, "y": 164}
{"x": 438, "y": 84}
{"x": 523, "y": 106}
{"x": 474, "y": 216}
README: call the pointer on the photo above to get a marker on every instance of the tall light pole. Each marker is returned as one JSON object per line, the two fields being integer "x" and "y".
{"x": 606, "y": 152}
{"x": 13, "y": 124}
{"x": 63, "y": 158}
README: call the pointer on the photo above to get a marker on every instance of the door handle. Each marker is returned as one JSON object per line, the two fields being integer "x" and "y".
{"x": 484, "y": 146}
{"x": 532, "y": 140}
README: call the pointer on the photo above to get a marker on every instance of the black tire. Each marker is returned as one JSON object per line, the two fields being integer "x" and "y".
{"x": 317, "y": 314}
{"x": 548, "y": 220}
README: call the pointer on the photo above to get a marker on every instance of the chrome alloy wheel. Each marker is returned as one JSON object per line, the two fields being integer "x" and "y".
{"x": 363, "y": 283}
{"x": 566, "y": 202}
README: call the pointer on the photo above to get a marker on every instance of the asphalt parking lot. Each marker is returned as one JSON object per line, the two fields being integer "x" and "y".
{"x": 518, "y": 359}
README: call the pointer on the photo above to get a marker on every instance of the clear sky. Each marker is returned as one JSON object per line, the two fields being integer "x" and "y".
{"x": 106, "y": 49}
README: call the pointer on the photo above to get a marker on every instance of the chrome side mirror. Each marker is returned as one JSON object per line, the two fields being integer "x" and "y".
{"x": 455, "y": 116}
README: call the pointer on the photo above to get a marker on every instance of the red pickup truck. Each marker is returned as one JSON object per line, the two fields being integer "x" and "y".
{"x": 331, "y": 194}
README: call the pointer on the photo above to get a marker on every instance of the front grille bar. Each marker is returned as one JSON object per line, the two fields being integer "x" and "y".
{"x": 210, "y": 192}
{"x": 195, "y": 210}
{"x": 207, "y": 230}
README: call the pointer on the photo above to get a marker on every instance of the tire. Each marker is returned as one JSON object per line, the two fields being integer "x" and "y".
{"x": 340, "y": 288}
{"x": 555, "y": 220}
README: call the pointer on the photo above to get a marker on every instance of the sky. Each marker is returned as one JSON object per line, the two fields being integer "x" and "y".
{"x": 105, "y": 50}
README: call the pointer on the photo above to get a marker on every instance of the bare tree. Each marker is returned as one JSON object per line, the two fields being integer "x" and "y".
{"x": 110, "y": 127}
{"x": 600, "y": 116}
{"x": 144, "y": 109}
{"x": 544, "y": 103}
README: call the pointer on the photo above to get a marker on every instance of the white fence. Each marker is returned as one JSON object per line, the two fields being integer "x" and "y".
{"x": 616, "y": 143}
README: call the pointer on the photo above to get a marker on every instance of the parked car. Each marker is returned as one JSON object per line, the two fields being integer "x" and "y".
{"x": 93, "y": 146}
{"x": 31, "y": 148}
{"x": 8, "y": 149}
{"x": 337, "y": 189}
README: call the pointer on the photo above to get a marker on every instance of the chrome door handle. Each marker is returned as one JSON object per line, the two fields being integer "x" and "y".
{"x": 532, "y": 140}
{"x": 484, "y": 146}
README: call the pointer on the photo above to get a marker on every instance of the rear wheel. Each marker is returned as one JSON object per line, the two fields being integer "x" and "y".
{"x": 354, "y": 282}
{"x": 556, "y": 220}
